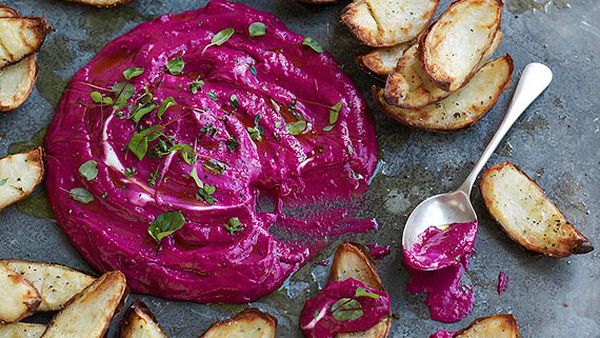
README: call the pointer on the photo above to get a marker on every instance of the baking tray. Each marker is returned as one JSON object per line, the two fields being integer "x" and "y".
{"x": 557, "y": 141}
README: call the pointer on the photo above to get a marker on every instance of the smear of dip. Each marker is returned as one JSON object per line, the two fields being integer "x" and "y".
{"x": 215, "y": 108}
{"x": 502, "y": 282}
{"x": 343, "y": 307}
{"x": 379, "y": 251}
{"x": 443, "y": 334}
{"x": 446, "y": 251}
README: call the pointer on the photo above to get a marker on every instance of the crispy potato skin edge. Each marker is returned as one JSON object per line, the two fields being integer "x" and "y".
{"x": 444, "y": 83}
{"x": 362, "y": 252}
{"x": 33, "y": 304}
{"x": 6, "y": 109}
{"x": 116, "y": 3}
{"x": 43, "y": 29}
{"x": 249, "y": 312}
{"x": 124, "y": 325}
{"x": 36, "y": 155}
{"x": 578, "y": 244}
{"x": 507, "y": 316}
{"x": 446, "y": 129}
{"x": 357, "y": 31}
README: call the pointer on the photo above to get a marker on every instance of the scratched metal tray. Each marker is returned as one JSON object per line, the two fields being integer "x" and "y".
{"x": 557, "y": 141}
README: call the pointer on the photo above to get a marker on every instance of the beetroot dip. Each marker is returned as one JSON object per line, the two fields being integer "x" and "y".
{"x": 245, "y": 115}
{"x": 343, "y": 307}
{"x": 444, "y": 251}
{"x": 502, "y": 282}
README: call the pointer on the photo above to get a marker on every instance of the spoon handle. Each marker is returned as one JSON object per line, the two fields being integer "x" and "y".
{"x": 535, "y": 78}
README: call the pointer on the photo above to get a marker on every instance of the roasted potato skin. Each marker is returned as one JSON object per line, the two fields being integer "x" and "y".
{"x": 25, "y": 95}
{"x": 42, "y": 28}
{"x": 30, "y": 299}
{"x": 318, "y": 2}
{"x": 577, "y": 243}
{"x": 509, "y": 319}
{"x": 102, "y": 3}
{"x": 129, "y": 317}
{"x": 247, "y": 314}
{"x": 385, "y": 107}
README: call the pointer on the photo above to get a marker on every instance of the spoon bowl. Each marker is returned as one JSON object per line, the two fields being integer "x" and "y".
{"x": 455, "y": 207}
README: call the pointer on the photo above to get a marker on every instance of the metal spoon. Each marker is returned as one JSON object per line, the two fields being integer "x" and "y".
{"x": 456, "y": 206}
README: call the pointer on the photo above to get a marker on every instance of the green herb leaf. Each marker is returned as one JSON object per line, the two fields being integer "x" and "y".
{"x": 138, "y": 145}
{"x": 130, "y": 73}
{"x": 195, "y": 85}
{"x": 209, "y": 189}
{"x": 205, "y": 194}
{"x": 3, "y": 181}
{"x": 328, "y": 128}
{"x": 256, "y": 132}
{"x": 175, "y": 66}
{"x": 89, "y": 170}
{"x": 220, "y": 38}
{"x": 154, "y": 177}
{"x": 257, "y": 29}
{"x": 186, "y": 151}
{"x": 215, "y": 166}
{"x": 123, "y": 91}
{"x": 234, "y": 101}
{"x": 252, "y": 69}
{"x": 142, "y": 111}
{"x": 346, "y": 309}
{"x": 81, "y": 195}
{"x": 296, "y": 128}
{"x": 209, "y": 130}
{"x": 168, "y": 102}
{"x": 361, "y": 292}
{"x": 129, "y": 172}
{"x": 96, "y": 96}
{"x": 334, "y": 112}
{"x": 166, "y": 224}
{"x": 232, "y": 144}
{"x": 212, "y": 95}
{"x": 313, "y": 44}
{"x": 194, "y": 175}
{"x": 233, "y": 225}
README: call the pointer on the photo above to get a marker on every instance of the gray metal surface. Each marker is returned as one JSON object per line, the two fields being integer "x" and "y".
{"x": 557, "y": 141}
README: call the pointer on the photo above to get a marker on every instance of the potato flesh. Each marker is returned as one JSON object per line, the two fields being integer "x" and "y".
{"x": 56, "y": 284}
{"x": 20, "y": 174}
{"x": 18, "y": 297}
{"x": 463, "y": 107}
{"x": 89, "y": 313}
{"x": 459, "y": 40}
{"x": 498, "y": 326}
{"x": 381, "y": 23}
{"x": 526, "y": 214}
{"x": 141, "y": 325}
{"x": 20, "y": 37}
{"x": 248, "y": 323}
{"x": 382, "y": 61}
{"x": 22, "y": 330}
{"x": 16, "y": 83}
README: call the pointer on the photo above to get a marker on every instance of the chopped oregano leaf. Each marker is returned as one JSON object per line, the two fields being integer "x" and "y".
{"x": 257, "y": 29}
{"x": 194, "y": 175}
{"x": 96, "y": 96}
{"x": 142, "y": 110}
{"x": 252, "y": 69}
{"x": 166, "y": 224}
{"x": 232, "y": 144}
{"x": 168, "y": 102}
{"x": 130, "y": 73}
{"x": 3, "y": 181}
{"x": 233, "y": 225}
{"x": 350, "y": 149}
{"x": 361, "y": 292}
{"x": 195, "y": 85}
{"x": 313, "y": 44}
{"x": 138, "y": 145}
{"x": 81, "y": 195}
{"x": 212, "y": 95}
{"x": 234, "y": 101}
{"x": 215, "y": 166}
{"x": 220, "y": 38}
{"x": 346, "y": 309}
{"x": 123, "y": 91}
{"x": 256, "y": 132}
{"x": 209, "y": 130}
{"x": 89, "y": 170}
{"x": 334, "y": 112}
{"x": 129, "y": 172}
{"x": 205, "y": 194}
{"x": 328, "y": 128}
{"x": 175, "y": 66}
{"x": 187, "y": 152}
{"x": 296, "y": 128}
{"x": 154, "y": 177}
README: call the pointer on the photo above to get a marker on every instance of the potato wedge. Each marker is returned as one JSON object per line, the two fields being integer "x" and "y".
{"x": 22, "y": 330}
{"x": 18, "y": 296}
{"x": 353, "y": 261}
{"x": 17, "y": 82}
{"x": 250, "y": 323}
{"x": 7, "y": 12}
{"x": 57, "y": 284}
{"x": 139, "y": 322}
{"x": 497, "y": 326}
{"x": 527, "y": 216}
{"x": 383, "y": 61}
{"x": 462, "y": 108}
{"x": 21, "y": 37}
{"x": 20, "y": 174}
{"x": 102, "y": 3}
{"x": 454, "y": 46}
{"x": 318, "y": 2}
{"x": 89, "y": 313}
{"x": 408, "y": 87}
{"x": 384, "y": 23}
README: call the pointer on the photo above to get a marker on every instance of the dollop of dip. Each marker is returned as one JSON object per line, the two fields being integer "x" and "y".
{"x": 502, "y": 282}
{"x": 343, "y": 307}
{"x": 444, "y": 251}
{"x": 164, "y": 146}
{"x": 443, "y": 334}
